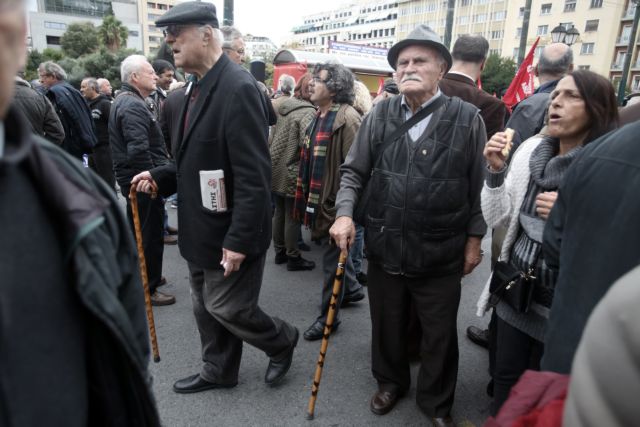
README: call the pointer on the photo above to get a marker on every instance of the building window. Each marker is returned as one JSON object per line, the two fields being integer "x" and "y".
{"x": 494, "y": 51}
{"x": 595, "y": 4}
{"x": 591, "y": 25}
{"x": 515, "y": 53}
{"x": 542, "y": 30}
{"x": 500, "y": 15}
{"x": 538, "y": 51}
{"x": 584, "y": 67}
{"x": 55, "y": 25}
{"x": 497, "y": 34}
{"x": 481, "y": 17}
{"x": 463, "y": 20}
{"x": 569, "y": 5}
{"x": 587, "y": 49}
{"x": 545, "y": 9}
{"x": 465, "y": 2}
{"x": 518, "y": 32}
{"x": 521, "y": 12}
{"x": 566, "y": 25}
{"x": 53, "y": 40}
{"x": 133, "y": 33}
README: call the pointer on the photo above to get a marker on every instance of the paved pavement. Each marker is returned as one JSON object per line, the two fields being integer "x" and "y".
{"x": 347, "y": 384}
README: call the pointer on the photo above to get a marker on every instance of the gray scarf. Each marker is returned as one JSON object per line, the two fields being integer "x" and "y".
{"x": 547, "y": 167}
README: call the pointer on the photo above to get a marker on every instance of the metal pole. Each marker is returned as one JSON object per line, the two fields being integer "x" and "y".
{"x": 228, "y": 12}
{"x": 449, "y": 23}
{"x": 524, "y": 34}
{"x": 627, "y": 58}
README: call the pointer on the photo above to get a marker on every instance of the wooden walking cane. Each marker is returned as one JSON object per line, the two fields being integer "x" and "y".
{"x": 337, "y": 284}
{"x": 143, "y": 270}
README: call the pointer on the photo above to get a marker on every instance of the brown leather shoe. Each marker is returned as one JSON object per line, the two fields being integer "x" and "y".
{"x": 170, "y": 239}
{"x": 383, "y": 401}
{"x": 159, "y": 298}
{"x": 442, "y": 422}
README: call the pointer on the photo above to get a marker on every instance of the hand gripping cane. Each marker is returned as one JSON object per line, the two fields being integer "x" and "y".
{"x": 143, "y": 270}
{"x": 337, "y": 284}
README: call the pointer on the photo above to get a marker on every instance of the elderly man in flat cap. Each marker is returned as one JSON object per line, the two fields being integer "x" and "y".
{"x": 222, "y": 134}
{"x": 416, "y": 170}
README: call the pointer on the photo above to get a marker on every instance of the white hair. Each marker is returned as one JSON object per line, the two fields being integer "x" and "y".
{"x": 130, "y": 65}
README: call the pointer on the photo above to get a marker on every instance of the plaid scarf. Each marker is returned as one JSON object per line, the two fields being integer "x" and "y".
{"x": 312, "y": 157}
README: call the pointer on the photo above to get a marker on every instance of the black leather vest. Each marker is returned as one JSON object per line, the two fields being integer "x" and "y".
{"x": 419, "y": 209}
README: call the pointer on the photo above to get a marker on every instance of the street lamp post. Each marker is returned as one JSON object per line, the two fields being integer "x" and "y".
{"x": 561, "y": 35}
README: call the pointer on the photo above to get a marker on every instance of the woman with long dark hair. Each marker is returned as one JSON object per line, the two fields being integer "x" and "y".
{"x": 582, "y": 108}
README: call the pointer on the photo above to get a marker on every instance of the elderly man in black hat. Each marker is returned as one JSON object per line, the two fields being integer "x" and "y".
{"x": 416, "y": 169}
{"x": 221, "y": 142}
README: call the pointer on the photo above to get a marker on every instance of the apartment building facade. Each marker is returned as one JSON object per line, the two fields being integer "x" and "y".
{"x": 50, "y": 21}
{"x": 368, "y": 23}
{"x": 149, "y": 12}
{"x": 623, "y": 36}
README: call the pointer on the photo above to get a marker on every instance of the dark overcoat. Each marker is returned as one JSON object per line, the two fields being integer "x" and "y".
{"x": 226, "y": 128}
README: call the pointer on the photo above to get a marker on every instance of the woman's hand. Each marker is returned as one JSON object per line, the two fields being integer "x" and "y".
{"x": 493, "y": 151}
{"x": 544, "y": 203}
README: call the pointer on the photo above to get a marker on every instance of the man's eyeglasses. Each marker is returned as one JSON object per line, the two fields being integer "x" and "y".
{"x": 238, "y": 51}
{"x": 174, "y": 30}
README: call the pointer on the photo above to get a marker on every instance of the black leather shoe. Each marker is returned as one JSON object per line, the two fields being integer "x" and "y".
{"x": 442, "y": 421}
{"x": 281, "y": 257}
{"x": 195, "y": 383}
{"x": 304, "y": 247}
{"x": 353, "y": 297}
{"x": 278, "y": 369}
{"x": 298, "y": 263}
{"x": 362, "y": 278}
{"x": 383, "y": 401}
{"x": 478, "y": 336}
{"x": 316, "y": 331}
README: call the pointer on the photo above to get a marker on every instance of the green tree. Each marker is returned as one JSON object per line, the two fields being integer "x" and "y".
{"x": 497, "y": 74}
{"x": 106, "y": 64}
{"x": 113, "y": 35}
{"x": 80, "y": 39}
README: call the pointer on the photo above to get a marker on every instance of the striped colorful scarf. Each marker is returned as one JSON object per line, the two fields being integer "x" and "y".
{"x": 312, "y": 158}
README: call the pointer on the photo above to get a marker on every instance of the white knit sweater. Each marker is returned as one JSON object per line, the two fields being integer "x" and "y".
{"x": 501, "y": 205}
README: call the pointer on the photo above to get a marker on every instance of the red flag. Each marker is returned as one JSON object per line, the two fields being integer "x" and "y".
{"x": 522, "y": 84}
{"x": 380, "y": 85}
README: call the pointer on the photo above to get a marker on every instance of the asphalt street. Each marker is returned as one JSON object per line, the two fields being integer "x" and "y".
{"x": 347, "y": 384}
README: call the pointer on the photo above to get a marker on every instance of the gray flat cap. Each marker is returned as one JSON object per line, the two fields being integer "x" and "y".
{"x": 424, "y": 36}
{"x": 191, "y": 12}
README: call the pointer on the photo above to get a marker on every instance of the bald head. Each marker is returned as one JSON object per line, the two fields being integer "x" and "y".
{"x": 555, "y": 62}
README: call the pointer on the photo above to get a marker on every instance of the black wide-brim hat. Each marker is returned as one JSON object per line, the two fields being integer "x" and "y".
{"x": 422, "y": 35}
{"x": 190, "y": 13}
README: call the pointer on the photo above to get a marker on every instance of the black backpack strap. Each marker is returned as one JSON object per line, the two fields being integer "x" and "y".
{"x": 420, "y": 115}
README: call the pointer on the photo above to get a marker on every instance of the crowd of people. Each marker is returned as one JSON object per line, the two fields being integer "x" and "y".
{"x": 414, "y": 177}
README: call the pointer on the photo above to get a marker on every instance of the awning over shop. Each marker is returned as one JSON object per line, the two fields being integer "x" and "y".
{"x": 354, "y": 63}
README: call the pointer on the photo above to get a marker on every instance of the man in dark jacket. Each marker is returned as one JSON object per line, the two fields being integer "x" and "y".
{"x": 591, "y": 237}
{"x": 223, "y": 131}
{"x": 469, "y": 55}
{"x": 424, "y": 223}
{"x": 100, "y": 160}
{"x": 73, "y": 111}
{"x": 73, "y": 336}
{"x": 38, "y": 111}
{"x": 137, "y": 145}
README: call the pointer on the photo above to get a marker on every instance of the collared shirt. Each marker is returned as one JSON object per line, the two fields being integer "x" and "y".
{"x": 418, "y": 129}
{"x": 462, "y": 74}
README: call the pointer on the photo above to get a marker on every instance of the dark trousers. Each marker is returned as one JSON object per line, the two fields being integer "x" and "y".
{"x": 436, "y": 301}
{"x": 285, "y": 228}
{"x": 151, "y": 213}
{"x": 515, "y": 353}
{"x": 100, "y": 162}
{"x": 330, "y": 257}
{"x": 227, "y": 313}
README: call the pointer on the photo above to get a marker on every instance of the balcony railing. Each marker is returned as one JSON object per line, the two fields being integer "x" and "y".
{"x": 623, "y": 40}
{"x": 617, "y": 65}
{"x": 630, "y": 13}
